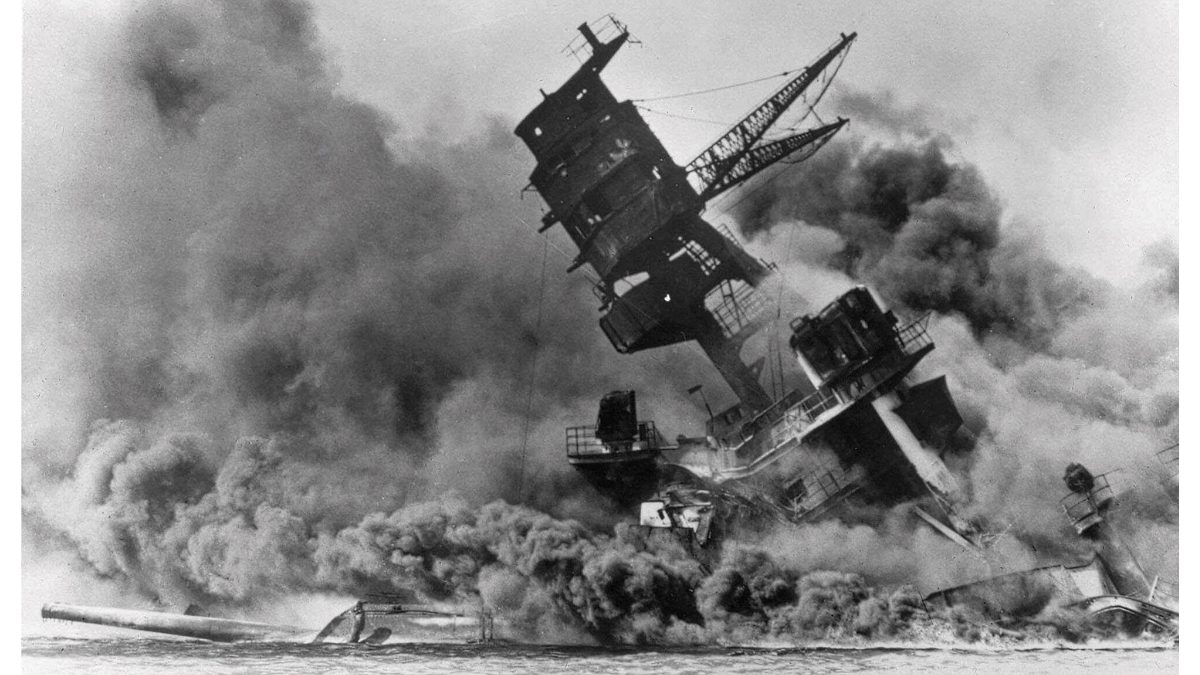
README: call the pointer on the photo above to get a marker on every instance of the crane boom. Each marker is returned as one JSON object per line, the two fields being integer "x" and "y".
{"x": 712, "y": 165}
{"x": 763, "y": 156}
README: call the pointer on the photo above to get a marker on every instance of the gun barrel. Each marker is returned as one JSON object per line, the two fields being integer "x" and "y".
{"x": 202, "y": 627}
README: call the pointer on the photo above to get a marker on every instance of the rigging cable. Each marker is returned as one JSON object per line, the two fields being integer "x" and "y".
{"x": 715, "y": 89}
{"x": 787, "y": 256}
{"x": 681, "y": 117}
{"x": 545, "y": 237}
{"x": 537, "y": 331}
{"x": 592, "y": 278}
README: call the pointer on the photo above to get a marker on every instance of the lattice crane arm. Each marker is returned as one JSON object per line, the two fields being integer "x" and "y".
{"x": 712, "y": 165}
{"x": 763, "y": 156}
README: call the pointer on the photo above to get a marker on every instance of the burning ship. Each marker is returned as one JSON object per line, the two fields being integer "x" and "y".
{"x": 862, "y": 432}
{"x": 865, "y": 431}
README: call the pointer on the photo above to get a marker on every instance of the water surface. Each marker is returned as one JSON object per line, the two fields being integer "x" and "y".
{"x": 152, "y": 655}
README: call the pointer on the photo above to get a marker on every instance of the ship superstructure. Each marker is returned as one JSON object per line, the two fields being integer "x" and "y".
{"x": 866, "y": 430}
{"x": 665, "y": 275}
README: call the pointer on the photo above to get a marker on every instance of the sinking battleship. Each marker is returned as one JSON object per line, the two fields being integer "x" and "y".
{"x": 864, "y": 432}
{"x": 666, "y": 276}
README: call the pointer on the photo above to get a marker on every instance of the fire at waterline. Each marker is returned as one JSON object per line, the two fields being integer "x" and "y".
{"x": 863, "y": 432}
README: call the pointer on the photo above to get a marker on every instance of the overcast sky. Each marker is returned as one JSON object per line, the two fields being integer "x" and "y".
{"x": 1070, "y": 109}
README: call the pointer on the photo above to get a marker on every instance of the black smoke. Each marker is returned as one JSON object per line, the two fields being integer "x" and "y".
{"x": 240, "y": 269}
{"x": 925, "y": 231}
{"x": 273, "y": 346}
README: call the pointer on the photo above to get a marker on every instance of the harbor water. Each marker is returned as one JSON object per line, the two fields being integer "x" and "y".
{"x": 49, "y": 654}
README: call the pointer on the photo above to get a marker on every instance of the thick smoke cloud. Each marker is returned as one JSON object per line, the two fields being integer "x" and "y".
{"x": 238, "y": 250}
{"x": 1048, "y": 364}
{"x": 271, "y": 349}
{"x": 249, "y": 309}
{"x": 926, "y": 232}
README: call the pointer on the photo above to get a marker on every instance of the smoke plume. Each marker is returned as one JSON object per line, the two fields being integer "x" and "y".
{"x": 1048, "y": 364}
{"x": 271, "y": 348}
{"x": 926, "y": 232}
{"x": 249, "y": 308}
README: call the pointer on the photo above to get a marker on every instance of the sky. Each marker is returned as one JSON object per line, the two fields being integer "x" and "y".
{"x": 1070, "y": 109}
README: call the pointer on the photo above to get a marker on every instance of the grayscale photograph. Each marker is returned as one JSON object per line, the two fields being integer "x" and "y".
{"x": 548, "y": 337}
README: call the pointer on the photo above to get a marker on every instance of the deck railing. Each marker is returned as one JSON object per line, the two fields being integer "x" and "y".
{"x": 582, "y": 441}
{"x": 915, "y": 335}
{"x": 606, "y": 29}
{"x": 1084, "y": 509}
{"x": 735, "y": 306}
{"x": 823, "y": 484}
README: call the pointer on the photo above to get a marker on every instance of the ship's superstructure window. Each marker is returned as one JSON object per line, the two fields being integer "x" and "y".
{"x": 626, "y": 284}
{"x": 848, "y": 333}
{"x": 815, "y": 350}
{"x": 597, "y": 205}
{"x": 696, "y": 253}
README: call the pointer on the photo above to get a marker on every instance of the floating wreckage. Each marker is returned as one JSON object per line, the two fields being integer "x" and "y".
{"x": 863, "y": 432}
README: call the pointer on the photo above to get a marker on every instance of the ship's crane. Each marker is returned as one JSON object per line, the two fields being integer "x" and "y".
{"x": 734, "y": 156}
{"x": 763, "y": 156}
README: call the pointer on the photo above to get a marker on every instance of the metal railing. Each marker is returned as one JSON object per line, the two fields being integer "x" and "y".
{"x": 915, "y": 335}
{"x": 1083, "y": 509}
{"x": 728, "y": 234}
{"x": 606, "y": 29}
{"x": 736, "y": 306}
{"x": 816, "y": 403}
{"x": 791, "y": 425}
{"x": 582, "y": 441}
{"x": 790, "y": 428}
{"x": 825, "y": 483}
